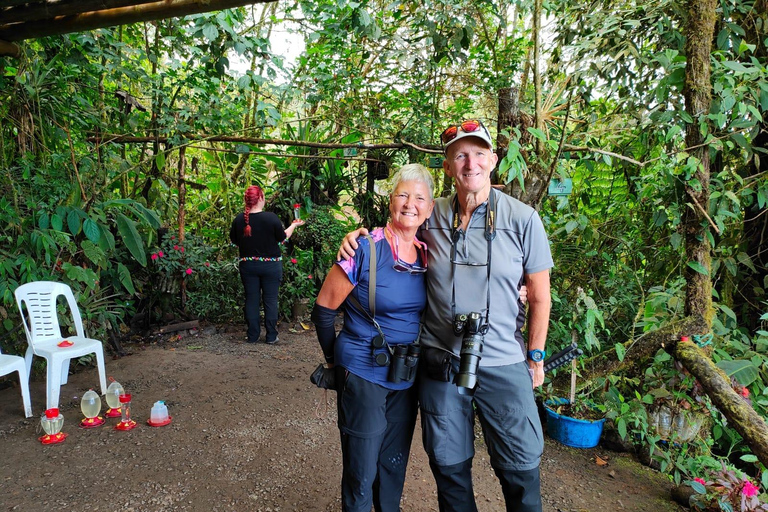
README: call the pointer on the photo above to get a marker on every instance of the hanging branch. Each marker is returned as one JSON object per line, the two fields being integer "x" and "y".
{"x": 129, "y": 139}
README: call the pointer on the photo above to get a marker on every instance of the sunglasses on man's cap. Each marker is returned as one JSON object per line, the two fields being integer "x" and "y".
{"x": 468, "y": 128}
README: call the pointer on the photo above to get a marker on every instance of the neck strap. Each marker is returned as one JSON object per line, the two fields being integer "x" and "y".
{"x": 490, "y": 218}
{"x": 490, "y": 234}
{"x": 371, "y": 289}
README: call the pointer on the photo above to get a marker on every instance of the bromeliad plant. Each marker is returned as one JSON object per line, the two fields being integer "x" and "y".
{"x": 728, "y": 490}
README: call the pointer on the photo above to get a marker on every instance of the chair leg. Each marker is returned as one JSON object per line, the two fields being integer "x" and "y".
{"x": 64, "y": 371}
{"x": 102, "y": 371}
{"x": 53, "y": 381}
{"x": 28, "y": 360}
{"x": 24, "y": 385}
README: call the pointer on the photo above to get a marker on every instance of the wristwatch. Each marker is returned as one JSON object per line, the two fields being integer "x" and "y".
{"x": 536, "y": 355}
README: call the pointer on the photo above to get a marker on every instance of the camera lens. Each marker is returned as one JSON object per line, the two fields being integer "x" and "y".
{"x": 471, "y": 353}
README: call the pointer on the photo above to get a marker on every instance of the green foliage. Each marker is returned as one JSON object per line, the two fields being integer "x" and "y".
{"x": 298, "y": 282}
{"x": 322, "y": 234}
{"x": 218, "y": 294}
{"x": 174, "y": 263}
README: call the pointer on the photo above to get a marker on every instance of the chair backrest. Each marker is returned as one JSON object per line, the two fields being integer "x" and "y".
{"x": 41, "y": 321}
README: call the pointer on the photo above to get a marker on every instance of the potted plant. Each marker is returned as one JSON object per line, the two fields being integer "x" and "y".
{"x": 578, "y": 424}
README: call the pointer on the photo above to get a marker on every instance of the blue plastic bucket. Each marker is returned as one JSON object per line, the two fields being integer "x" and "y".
{"x": 570, "y": 431}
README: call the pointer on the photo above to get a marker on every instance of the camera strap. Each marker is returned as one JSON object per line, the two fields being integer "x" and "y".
{"x": 371, "y": 292}
{"x": 490, "y": 234}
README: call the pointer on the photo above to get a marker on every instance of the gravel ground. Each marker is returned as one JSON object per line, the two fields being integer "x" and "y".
{"x": 248, "y": 433}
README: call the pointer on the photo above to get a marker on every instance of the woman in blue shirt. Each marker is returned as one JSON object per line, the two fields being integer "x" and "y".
{"x": 376, "y": 403}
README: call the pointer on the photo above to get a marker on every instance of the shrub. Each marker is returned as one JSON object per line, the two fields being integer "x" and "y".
{"x": 298, "y": 280}
{"x": 322, "y": 234}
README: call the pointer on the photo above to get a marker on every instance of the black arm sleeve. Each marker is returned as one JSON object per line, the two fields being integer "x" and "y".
{"x": 323, "y": 319}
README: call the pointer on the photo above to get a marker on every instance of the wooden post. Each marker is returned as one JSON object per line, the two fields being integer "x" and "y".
{"x": 574, "y": 339}
{"x": 182, "y": 214}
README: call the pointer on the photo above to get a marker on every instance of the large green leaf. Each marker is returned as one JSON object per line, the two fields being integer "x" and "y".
{"x": 56, "y": 222}
{"x": 150, "y": 215}
{"x": 106, "y": 240}
{"x": 94, "y": 253}
{"x": 91, "y": 230}
{"x": 132, "y": 239}
{"x": 745, "y": 372}
{"x": 125, "y": 278}
{"x": 698, "y": 267}
{"x": 73, "y": 222}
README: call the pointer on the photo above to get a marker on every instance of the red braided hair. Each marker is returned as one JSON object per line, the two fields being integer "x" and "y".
{"x": 253, "y": 195}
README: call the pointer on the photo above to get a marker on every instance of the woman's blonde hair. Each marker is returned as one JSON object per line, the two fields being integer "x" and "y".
{"x": 414, "y": 172}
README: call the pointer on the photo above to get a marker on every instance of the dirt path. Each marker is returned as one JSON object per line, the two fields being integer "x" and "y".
{"x": 245, "y": 436}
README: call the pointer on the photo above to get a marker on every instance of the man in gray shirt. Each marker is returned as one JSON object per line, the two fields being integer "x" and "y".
{"x": 482, "y": 245}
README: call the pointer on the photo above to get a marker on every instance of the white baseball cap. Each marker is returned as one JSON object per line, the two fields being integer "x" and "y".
{"x": 467, "y": 128}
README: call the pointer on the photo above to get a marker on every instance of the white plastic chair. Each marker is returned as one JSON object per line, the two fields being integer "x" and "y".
{"x": 41, "y": 324}
{"x": 10, "y": 364}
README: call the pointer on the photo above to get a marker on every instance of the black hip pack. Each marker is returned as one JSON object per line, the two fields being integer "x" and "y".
{"x": 439, "y": 364}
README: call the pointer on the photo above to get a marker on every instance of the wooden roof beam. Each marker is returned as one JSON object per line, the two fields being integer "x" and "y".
{"x": 10, "y": 49}
{"x": 113, "y": 17}
{"x": 31, "y": 11}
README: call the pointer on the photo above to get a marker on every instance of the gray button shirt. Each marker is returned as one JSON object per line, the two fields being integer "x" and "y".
{"x": 520, "y": 246}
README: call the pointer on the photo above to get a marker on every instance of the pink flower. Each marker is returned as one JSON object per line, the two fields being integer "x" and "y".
{"x": 745, "y": 392}
{"x": 294, "y": 260}
{"x": 188, "y": 271}
{"x": 154, "y": 256}
{"x": 309, "y": 276}
{"x": 207, "y": 264}
{"x": 175, "y": 247}
{"x": 181, "y": 249}
{"x": 296, "y": 206}
{"x": 700, "y": 480}
{"x": 749, "y": 489}
{"x": 160, "y": 254}
{"x": 173, "y": 237}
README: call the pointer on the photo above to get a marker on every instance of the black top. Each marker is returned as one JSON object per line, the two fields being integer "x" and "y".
{"x": 266, "y": 233}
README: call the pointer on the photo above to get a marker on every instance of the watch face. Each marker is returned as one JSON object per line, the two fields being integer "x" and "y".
{"x": 536, "y": 355}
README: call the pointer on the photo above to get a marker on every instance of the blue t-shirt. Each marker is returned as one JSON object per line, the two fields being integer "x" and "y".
{"x": 400, "y": 299}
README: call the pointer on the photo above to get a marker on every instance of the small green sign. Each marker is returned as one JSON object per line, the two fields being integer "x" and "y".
{"x": 435, "y": 162}
{"x": 560, "y": 187}
{"x": 350, "y": 151}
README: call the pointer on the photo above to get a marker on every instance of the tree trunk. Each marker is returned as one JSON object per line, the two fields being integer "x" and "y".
{"x": 698, "y": 95}
{"x": 740, "y": 414}
{"x": 510, "y": 116}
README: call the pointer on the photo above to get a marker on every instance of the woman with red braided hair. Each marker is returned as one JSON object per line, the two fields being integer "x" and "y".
{"x": 258, "y": 234}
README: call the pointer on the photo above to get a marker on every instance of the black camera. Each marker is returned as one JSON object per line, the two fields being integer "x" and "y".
{"x": 405, "y": 360}
{"x": 470, "y": 326}
{"x": 324, "y": 377}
